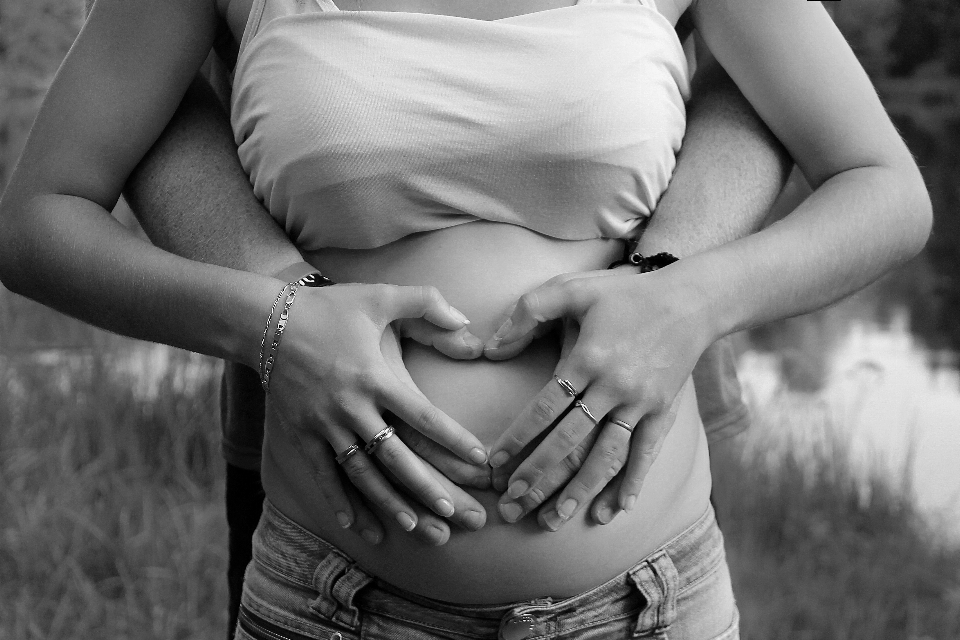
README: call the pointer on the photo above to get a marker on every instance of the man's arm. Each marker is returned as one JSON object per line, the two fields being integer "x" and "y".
{"x": 730, "y": 170}
{"x": 192, "y": 197}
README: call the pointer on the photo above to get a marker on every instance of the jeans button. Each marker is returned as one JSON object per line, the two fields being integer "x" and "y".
{"x": 517, "y": 628}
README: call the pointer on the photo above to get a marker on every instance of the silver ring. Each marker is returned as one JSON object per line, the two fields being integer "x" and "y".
{"x": 567, "y": 386}
{"x": 621, "y": 423}
{"x": 377, "y": 439}
{"x": 583, "y": 408}
{"x": 344, "y": 455}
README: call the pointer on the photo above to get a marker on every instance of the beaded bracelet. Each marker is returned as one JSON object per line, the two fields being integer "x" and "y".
{"x": 633, "y": 257}
{"x": 277, "y": 335}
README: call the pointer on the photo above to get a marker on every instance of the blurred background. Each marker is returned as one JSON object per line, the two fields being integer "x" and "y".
{"x": 841, "y": 506}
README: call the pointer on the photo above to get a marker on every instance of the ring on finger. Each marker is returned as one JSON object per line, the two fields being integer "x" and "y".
{"x": 584, "y": 408}
{"x": 376, "y": 440}
{"x": 345, "y": 455}
{"x": 567, "y": 386}
{"x": 621, "y": 423}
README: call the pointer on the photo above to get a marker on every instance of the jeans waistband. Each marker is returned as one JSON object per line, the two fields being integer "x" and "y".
{"x": 304, "y": 558}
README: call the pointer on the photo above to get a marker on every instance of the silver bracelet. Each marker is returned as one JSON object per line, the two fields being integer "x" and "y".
{"x": 266, "y": 330}
{"x": 278, "y": 334}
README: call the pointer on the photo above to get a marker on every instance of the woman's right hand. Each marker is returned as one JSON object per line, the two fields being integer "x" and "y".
{"x": 331, "y": 385}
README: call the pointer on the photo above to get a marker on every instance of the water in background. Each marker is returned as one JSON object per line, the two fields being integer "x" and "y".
{"x": 876, "y": 387}
{"x": 880, "y": 369}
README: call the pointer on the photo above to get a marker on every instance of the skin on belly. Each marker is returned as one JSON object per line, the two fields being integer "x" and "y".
{"x": 481, "y": 268}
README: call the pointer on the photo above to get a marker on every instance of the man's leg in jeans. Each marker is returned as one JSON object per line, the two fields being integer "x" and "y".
{"x": 242, "y": 411}
{"x": 244, "y": 506}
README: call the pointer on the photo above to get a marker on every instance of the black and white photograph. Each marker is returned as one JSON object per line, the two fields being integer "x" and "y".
{"x": 479, "y": 319}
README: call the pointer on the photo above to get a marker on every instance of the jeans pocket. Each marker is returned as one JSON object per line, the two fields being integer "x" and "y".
{"x": 733, "y": 631}
{"x": 706, "y": 609}
{"x": 251, "y": 626}
{"x": 275, "y": 607}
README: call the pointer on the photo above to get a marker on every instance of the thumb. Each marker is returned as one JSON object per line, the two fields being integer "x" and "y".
{"x": 424, "y": 302}
{"x": 542, "y": 305}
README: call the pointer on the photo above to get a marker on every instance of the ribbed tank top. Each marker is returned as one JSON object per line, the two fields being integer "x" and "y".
{"x": 358, "y": 128}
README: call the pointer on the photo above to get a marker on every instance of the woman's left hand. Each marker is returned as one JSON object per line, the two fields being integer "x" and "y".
{"x": 640, "y": 336}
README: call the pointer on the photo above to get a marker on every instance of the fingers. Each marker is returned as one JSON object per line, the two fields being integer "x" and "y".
{"x": 547, "y": 302}
{"x": 327, "y": 478}
{"x": 408, "y": 468}
{"x": 553, "y": 480}
{"x": 545, "y": 409}
{"x": 365, "y": 523}
{"x": 606, "y": 458}
{"x": 644, "y": 449}
{"x": 422, "y": 302}
{"x": 459, "y": 344}
{"x": 468, "y": 513}
{"x": 606, "y": 506}
{"x": 559, "y": 443}
{"x": 446, "y": 463}
{"x": 365, "y": 476}
{"x": 419, "y": 413}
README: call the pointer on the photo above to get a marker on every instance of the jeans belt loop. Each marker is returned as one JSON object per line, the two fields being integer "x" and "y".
{"x": 336, "y": 580}
{"x": 344, "y": 590}
{"x": 657, "y": 580}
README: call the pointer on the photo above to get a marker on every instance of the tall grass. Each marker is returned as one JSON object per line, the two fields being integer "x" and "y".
{"x": 821, "y": 549}
{"x": 111, "y": 522}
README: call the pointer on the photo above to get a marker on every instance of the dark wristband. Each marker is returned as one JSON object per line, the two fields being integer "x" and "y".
{"x": 635, "y": 258}
{"x": 315, "y": 280}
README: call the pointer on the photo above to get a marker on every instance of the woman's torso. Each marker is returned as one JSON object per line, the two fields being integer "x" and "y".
{"x": 481, "y": 266}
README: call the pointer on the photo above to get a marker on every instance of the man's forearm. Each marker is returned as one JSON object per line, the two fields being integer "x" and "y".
{"x": 729, "y": 172}
{"x": 192, "y": 197}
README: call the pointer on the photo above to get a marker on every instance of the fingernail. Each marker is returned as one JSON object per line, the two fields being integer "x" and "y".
{"x": 502, "y": 331}
{"x": 478, "y": 456}
{"x": 628, "y": 504}
{"x": 474, "y": 520}
{"x": 492, "y": 345}
{"x": 551, "y": 520}
{"x": 471, "y": 341}
{"x": 604, "y": 515}
{"x": 370, "y": 536}
{"x": 517, "y": 489}
{"x": 511, "y": 511}
{"x": 458, "y": 315}
{"x": 443, "y": 507}
{"x": 481, "y": 481}
{"x": 343, "y": 519}
{"x": 408, "y": 523}
{"x": 499, "y": 458}
{"x": 567, "y": 508}
{"x": 436, "y": 535}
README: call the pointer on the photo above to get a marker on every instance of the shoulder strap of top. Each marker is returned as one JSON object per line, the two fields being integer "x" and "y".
{"x": 263, "y": 11}
{"x": 649, "y": 4}
{"x": 253, "y": 24}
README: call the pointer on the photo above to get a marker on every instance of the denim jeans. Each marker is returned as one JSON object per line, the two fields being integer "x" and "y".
{"x": 299, "y": 587}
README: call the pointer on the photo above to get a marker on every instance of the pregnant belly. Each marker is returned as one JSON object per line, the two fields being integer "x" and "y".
{"x": 481, "y": 269}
